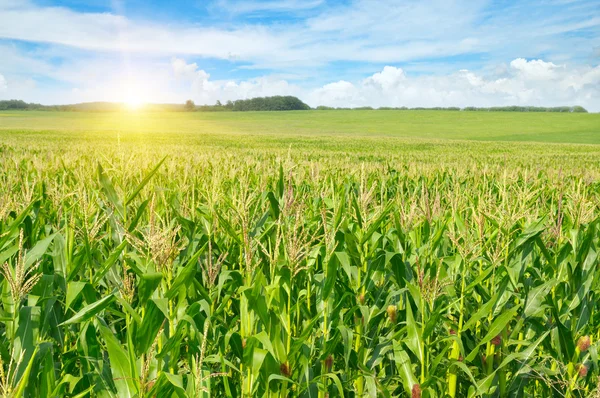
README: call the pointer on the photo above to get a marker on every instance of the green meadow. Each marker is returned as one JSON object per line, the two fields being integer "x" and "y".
{"x": 479, "y": 126}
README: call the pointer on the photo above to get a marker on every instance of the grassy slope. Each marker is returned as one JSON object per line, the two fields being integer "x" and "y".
{"x": 479, "y": 126}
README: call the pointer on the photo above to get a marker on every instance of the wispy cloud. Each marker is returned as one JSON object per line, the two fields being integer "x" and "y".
{"x": 365, "y": 31}
{"x": 109, "y": 32}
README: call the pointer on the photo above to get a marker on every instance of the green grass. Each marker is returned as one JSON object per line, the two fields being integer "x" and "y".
{"x": 481, "y": 126}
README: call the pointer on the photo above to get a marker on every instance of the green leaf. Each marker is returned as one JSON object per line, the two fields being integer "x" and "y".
{"x": 38, "y": 251}
{"x": 532, "y": 231}
{"x": 129, "y": 309}
{"x": 280, "y": 181}
{"x": 138, "y": 215}
{"x": 148, "y": 284}
{"x": 414, "y": 340}
{"x": 336, "y": 382}
{"x": 404, "y": 367}
{"x": 110, "y": 261}
{"x": 154, "y": 318}
{"x": 145, "y": 181}
{"x": 185, "y": 276}
{"x": 16, "y": 224}
{"x": 536, "y": 297}
{"x": 494, "y": 330}
{"x": 347, "y": 335}
{"x": 119, "y": 364}
{"x": 279, "y": 377}
{"x": 330, "y": 277}
{"x": 26, "y": 338}
{"x": 258, "y": 357}
{"x": 73, "y": 291}
{"x": 230, "y": 230}
{"x": 481, "y": 313}
{"x": 8, "y": 253}
{"x": 90, "y": 310}
{"x": 167, "y": 385}
{"x": 109, "y": 191}
{"x": 24, "y": 378}
{"x": 500, "y": 323}
{"x": 274, "y": 205}
{"x": 375, "y": 224}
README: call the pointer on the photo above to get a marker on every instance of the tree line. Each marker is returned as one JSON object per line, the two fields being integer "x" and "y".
{"x": 515, "y": 108}
{"x": 274, "y": 103}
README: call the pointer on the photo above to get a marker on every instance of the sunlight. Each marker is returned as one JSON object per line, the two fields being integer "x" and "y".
{"x": 133, "y": 96}
{"x": 133, "y": 103}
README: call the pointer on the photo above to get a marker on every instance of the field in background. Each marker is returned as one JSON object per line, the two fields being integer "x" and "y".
{"x": 481, "y": 126}
{"x": 317, "y": 253}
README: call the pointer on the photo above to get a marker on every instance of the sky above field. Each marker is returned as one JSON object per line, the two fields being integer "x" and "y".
{"x": 335, "y": 53}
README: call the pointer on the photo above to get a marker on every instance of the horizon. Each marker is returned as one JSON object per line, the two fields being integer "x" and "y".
{"x": 146, "y": 106}
{"x": 351, "y": 53}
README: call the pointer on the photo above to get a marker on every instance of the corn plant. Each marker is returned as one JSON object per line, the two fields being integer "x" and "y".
{"x": 143, "y": 271}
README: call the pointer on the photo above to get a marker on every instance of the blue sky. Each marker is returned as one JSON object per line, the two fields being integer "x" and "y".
{"x": 339, "y": 53}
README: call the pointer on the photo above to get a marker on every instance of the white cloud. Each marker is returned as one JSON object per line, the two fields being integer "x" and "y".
{"x": 535, "y": 83}
{"x": 389, "y": 77}
{"x": 205, "y": 91}
{"x": 110, "y": 32}
{"x": 184, "y": 70}
{"x": 19, "y": 62}
{"x": 536, "y": 69}
{"x": 520, "y": 82}
{"x": 190, "y": 72}
{"x": 341, "y": 92}
{"x": 383, "y": 31}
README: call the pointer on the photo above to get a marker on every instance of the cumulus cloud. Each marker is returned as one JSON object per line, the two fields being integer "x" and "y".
{"x": 522, "y": 82}
{"x": 389, "y": 78}
{"x": 536, "y": 69}
{"x": 519, "y": 82}
{"x": 336, "y": 93}
{"x": 533, "y": 82}
{"x": 181, "y": 69}
{"x": 204, "y": 90}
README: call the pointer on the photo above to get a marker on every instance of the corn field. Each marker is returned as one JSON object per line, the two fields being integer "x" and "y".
{"x": 146, "y": 271}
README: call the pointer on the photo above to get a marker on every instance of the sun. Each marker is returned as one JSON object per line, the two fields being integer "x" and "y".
{"x": 133, "y": 103}
{"x": 133, "y": 96}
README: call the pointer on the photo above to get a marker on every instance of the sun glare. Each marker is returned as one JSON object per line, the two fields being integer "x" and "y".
{"x": 133, "y": 103}
{"x": 133, "y": 96}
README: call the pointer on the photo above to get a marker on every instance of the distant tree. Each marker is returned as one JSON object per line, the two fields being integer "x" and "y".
{"x": 218, "y": 103}
{"x": 189, "y": 105}
{"x": 579, "y": 109}
{"x": 13, "y": 105}
{"x": 275, "y": 103}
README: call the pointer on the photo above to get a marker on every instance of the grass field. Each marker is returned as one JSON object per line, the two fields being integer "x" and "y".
{"x": 304, "y": 254}
{"x": 481, "y": 126}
